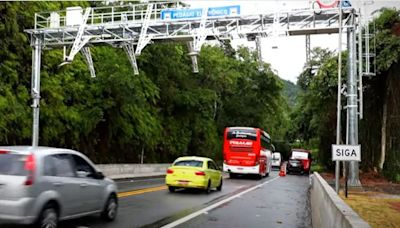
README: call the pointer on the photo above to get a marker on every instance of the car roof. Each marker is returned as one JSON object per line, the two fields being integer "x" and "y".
{"x": 193, "y": 158}
{"x": 37, "y": 150}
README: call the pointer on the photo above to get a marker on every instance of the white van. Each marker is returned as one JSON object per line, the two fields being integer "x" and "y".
{"x": 276, "y": 159}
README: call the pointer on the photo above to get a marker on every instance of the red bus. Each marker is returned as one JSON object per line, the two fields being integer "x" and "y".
{"x": 247, "y": 151}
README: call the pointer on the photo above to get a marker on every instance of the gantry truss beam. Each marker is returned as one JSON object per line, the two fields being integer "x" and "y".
{"x": 140, "y": 24}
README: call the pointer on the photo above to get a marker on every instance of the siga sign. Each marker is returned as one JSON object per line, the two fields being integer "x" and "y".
{"x": 346, "y": 152}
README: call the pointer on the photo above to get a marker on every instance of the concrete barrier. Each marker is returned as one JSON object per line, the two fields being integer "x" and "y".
{"x": 329, "y": 210}
{"x": 120, "y": 171}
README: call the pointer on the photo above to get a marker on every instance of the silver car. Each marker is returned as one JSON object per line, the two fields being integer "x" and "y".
{"x": 43, "y": 185}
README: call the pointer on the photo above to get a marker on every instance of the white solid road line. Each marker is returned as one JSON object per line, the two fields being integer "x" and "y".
{"x": 202, "y": 211}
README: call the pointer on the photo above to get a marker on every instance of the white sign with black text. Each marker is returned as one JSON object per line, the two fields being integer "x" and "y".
{"x": 346, "y": 152}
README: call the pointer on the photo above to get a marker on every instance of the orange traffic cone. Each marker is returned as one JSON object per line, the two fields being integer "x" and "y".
{"x": 282, "y": 172}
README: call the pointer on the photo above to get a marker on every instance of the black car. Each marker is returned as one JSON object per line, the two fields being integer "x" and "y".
{"x": 294, "y": 166}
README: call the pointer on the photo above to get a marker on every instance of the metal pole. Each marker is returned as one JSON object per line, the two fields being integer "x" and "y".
{"x": 360, "y": 70}
{"x": 339, "y": 97}
{"x": 352, "y": 105}
{"x": 35, "y": 88}
{"x": 142, "y": 155}
{"x": 308, "y": 50}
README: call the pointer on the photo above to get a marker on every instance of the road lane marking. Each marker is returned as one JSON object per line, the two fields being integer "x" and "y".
{"x": 136, "y": 181}
{"x": 141, "y": 191}
{"x": 211, "y": 207}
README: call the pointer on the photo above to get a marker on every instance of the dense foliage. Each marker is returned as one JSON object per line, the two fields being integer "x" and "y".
{"x": 291, "y": 92}
{"x": 379, "y": 129}
{"x": 166, "y": 111}
{"x": 314, "y": 117}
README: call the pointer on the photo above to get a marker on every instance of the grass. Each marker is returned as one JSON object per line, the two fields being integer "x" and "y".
{"x": 374, "y": 208}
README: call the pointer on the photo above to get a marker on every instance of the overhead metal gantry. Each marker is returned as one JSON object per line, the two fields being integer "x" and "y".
{"x": 133, "y": 27}
{"x": 138, "y": 25}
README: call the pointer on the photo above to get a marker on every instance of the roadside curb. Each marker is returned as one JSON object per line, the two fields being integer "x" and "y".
{"x": 328, "y": 209}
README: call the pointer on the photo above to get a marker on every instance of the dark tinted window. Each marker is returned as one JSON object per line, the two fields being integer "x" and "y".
{"x": 265, "y": 141}
{"x": 192, "y": 163}
{"x": 211, "y": 165}
{"x": 12, "y": 164}
{"x": 82, "y": 166}
{"x": 241, "y": 133}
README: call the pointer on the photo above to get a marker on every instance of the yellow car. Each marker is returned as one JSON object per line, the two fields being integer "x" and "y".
{"x": 194, "y": 172}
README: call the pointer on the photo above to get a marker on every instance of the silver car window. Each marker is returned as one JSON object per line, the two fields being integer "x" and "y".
{"x": 63, "y": 166}
{"x": 12, "y": 164}
{"x": 48, "y": 166}
{"x": 82, "y": 167}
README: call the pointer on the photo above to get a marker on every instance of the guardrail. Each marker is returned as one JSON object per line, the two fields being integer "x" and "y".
{"x": 329, "y": 210}
{"x": 120, "y": 171}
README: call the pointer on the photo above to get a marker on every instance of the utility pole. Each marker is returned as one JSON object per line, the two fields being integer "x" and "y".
{"x": 339, "y": 98}
{"x": 35, "y": 87}
{"x": 352, "y": 104}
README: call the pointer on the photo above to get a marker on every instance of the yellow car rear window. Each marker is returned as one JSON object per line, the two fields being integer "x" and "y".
{"x": 192, "y": 163}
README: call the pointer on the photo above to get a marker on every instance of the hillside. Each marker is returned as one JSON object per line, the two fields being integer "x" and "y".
{"x": 290, "y": 91}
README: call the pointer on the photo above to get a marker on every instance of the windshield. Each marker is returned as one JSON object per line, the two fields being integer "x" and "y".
{"x": 12, "y": 164}
{"x": 191, "y": 163}
{"x": 240, "y": 133}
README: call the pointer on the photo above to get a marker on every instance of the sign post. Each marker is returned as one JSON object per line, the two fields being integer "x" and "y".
{"x": 346, "y": 153}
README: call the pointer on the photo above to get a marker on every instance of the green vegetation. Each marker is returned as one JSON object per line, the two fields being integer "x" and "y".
{"x": 166, "y": 111}
{"x": 313, "y": 120}
{"x": 290, "y": 91}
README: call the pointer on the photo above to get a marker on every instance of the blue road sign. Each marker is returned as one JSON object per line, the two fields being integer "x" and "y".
{"x": 195, "y": 13}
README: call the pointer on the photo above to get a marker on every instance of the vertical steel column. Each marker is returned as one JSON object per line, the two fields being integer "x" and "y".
{"x": 308, "y": 50}
{"x": 259, "y": 53}
{"x": 35, "y": 87}
{"x": 339, "y": 98}
{"x": 360, "y": 69}
{"x": 352, "y": 105}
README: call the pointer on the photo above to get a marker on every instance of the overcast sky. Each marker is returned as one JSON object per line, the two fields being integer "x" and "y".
{"x": 288, "y": 58}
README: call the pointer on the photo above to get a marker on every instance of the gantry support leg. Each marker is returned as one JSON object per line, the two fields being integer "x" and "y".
{"x": 88, "y": 57}
{"x": 193, "y": 56}
{"x": 80, "y": 39}
{"x": 144, "y": 38}
{"x": 352, "y": 107}
{"x": 259, "y": 54}
{"x": 308, "y": 50}
{"x": 130, "y": 51}
{"x": 35, "y": 87}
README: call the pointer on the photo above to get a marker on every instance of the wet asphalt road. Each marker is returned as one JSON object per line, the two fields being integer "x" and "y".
{"x": 282, "y": 202}
{"x": 243, "y": 202}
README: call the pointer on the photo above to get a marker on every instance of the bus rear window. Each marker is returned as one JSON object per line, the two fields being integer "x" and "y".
{"x": 12, "y": 164}
{"x": 242, "y": 134}
{"x": 191, "y": 163}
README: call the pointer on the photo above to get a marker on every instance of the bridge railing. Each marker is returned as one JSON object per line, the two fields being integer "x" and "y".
{"x": 98, "y": 15}
{"x": 121, "y": 171}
